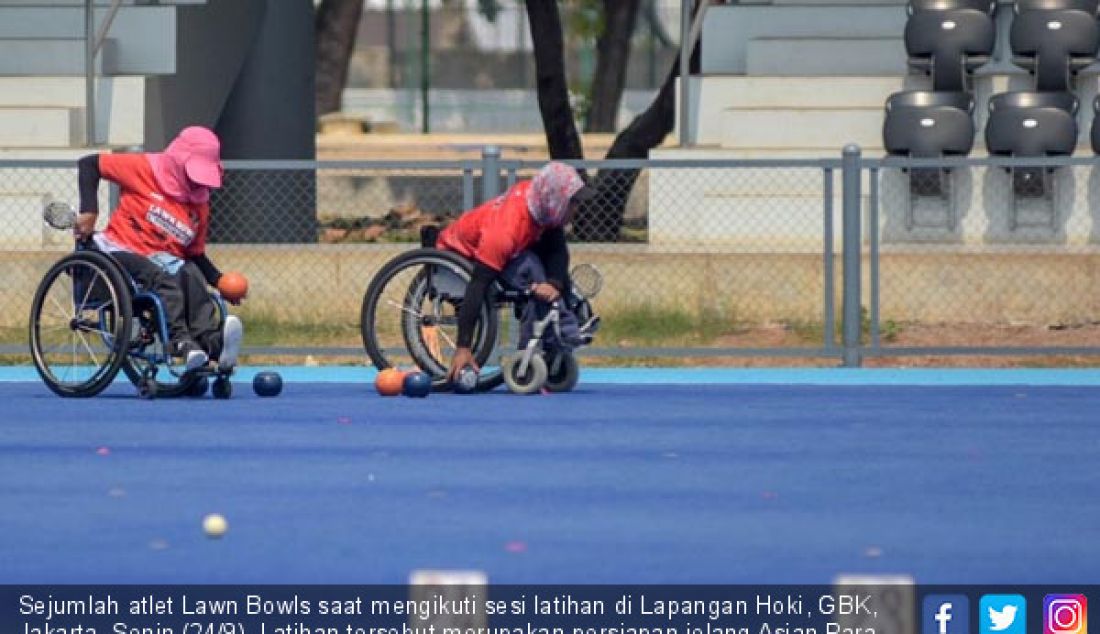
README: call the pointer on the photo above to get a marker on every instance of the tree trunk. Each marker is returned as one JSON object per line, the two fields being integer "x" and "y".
{"x": 612, "y": 58}
{"x": 557, "y": 116}
{"x": 601, "y": 220}
{"x": 336, "y": 23}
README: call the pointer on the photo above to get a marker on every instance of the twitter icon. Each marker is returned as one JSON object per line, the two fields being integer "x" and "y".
{"x": 1002, "y": 614}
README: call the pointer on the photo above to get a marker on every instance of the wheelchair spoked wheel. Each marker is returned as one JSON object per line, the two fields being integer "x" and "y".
{"x": 410, "y": 315}
{"x": 80, "y": 322}
{"x": 562, "y": 372}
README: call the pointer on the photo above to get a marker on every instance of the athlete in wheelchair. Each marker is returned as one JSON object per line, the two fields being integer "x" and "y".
{"x": 134, "y": 296}
{"x": 440, "y": 306}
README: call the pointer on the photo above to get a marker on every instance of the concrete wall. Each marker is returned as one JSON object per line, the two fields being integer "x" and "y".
{"x": 792, "y": 38}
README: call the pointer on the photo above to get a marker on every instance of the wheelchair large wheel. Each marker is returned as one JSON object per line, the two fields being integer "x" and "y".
{"x": 410, "y": 314}
{"x": 80, "y": 324}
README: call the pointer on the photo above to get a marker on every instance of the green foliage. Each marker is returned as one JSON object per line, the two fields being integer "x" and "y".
{"x": 583, "y": 23}
{"x": 264, "y": 330}
{"x": 583, "y": 19}
{"x": 650, "y": 325}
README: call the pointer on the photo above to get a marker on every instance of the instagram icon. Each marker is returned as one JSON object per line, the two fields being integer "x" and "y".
{"x": 1065, "y": 614}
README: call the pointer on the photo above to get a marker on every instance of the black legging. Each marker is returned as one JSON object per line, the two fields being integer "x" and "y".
{"x": 191, "y": 313}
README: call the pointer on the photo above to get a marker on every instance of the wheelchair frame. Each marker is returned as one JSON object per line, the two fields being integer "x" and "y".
{"x": 130, "y": 322}
{"x": 526, "y": 372}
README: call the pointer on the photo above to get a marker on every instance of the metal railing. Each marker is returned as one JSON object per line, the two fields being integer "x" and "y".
{"x": 701, "y": 258}
{"x": 93, "y": 42}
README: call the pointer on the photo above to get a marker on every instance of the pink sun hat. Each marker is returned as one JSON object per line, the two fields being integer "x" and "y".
{"x": 202, "y": 160}
{"x": 190, "y": 166}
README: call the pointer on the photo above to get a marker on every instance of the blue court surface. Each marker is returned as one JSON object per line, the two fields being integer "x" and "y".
{"x": 644, "y": 476}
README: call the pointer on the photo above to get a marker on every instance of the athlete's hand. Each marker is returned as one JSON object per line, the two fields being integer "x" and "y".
{"x": 463, "y": 357}
{"x": 545, "y": 292}
{"x": 84, "y": 226}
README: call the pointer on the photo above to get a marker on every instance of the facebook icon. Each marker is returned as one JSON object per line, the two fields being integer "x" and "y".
{"x": 946, "y": 614}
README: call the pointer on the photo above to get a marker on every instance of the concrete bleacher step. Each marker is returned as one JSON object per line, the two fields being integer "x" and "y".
{"x": 819, "y": 91}
{"x": 50, "y": 56}
{"x": 795, "y": 40}
{"x": 48, "y": 39}
{"x": 120, "y": 103}
{"x": 64, "y": 90}
{"x": 714, "y": 95}
{"x": 817, "y": 115}
{"x": 805, "y": 128}
{"x": 794, "y": 56}
{"x": 39, "y": 126}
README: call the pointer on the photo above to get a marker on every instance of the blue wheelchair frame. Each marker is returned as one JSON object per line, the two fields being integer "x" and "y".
{"x": 138, "y": 349}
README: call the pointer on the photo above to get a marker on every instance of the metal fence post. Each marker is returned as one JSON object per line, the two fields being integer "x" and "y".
{"x": 852, "y": 319}
{"x": 490, "y": 172}
{"x": 89, "y": 73}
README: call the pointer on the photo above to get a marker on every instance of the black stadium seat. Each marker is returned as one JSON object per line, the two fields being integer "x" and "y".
{"x": 917, "y": 6}
{"x": 925, "y": 124}
{"x": 949, "y": 45}
{"x": 1088, "y": 6}
{"x": 1054, "y": 45}
{"x": 948, "y": 40}
{"x": 1095, "y": 132}
{"x": 1032, "y": 124}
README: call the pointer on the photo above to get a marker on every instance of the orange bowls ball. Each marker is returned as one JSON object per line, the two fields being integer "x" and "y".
{"x": 233, "y": 286}
{"x": 389, "y": 382}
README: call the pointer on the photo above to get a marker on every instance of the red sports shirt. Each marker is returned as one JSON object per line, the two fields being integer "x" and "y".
{"x": 494, "y": 232}
{"x": 146, "y": 220}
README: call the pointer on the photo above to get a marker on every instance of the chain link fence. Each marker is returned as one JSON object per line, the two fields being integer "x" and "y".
{"x": 700, "y": 258}
{"x": 984, "y": 255}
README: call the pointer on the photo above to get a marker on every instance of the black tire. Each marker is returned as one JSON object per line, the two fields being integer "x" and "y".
{"x": 135, "y": 366}
{"x": 531, "y": 381}
{"x": 87, "y": 294}
{"x": 563, "y": 372}
{"x": 147, "y": 389}
{"x": 399, "y": 291}
{"x": 199, "y": 388}
{"x": 222, "y": 388}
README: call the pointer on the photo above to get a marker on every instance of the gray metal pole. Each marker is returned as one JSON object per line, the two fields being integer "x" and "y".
{"x": 685, "y": 66}
{"x": 89, "y": 73}
{"x": 852, "y": 254}
{"x": 490, "y": 172}
{"x": 425, "y": 39}
{"x": 467, "y": 188}
{"x": 828, "y": 249}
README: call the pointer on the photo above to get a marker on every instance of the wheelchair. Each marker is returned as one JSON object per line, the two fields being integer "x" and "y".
{"x": 410, "y": 315}
{"x": 89, "y": 319}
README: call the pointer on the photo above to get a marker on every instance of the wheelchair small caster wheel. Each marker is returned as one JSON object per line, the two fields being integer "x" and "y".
{"x": 563, "y": 372}
{"x": 199, "y": 387}
{"x": 222, "y": 388}
{"x": 530, "y": 381}
{"x": 148, "y": 388}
